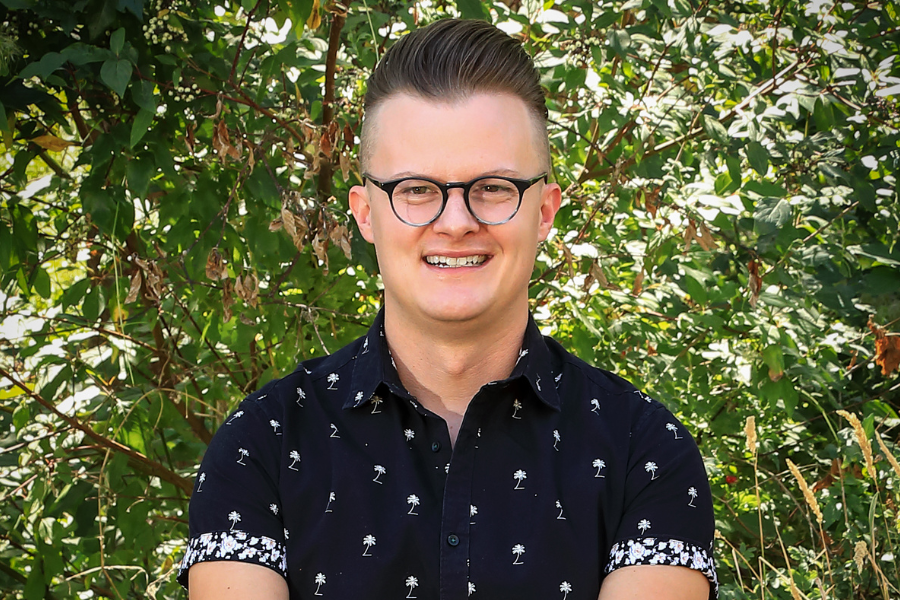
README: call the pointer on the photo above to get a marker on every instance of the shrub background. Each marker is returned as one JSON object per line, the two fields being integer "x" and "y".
{"x": 174, "y": 232}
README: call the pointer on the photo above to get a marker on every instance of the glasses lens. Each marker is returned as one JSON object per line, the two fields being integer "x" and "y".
{"x": 493, "y": 200}
{"x": 417, "y": 201}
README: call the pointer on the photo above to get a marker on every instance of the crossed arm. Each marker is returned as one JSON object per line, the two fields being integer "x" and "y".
{"x": 243, "y": 581}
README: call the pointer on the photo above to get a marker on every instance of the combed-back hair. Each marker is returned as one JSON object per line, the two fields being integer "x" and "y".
{"x": 450, "y": 60}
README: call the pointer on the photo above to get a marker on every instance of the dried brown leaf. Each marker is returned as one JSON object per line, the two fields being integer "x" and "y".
{"x": 651, "y": 201}
{"x": 215, "y": 265}
{"x": 315, "y": 17}
{"x": 341, "y": 237}
{"x": 320, "y": 247}
{"x": 52, "y": 143}
{"x": 276, "y": 224}
{"x": 755, "y": 282}
{"x": 638, "y": 284}
{"x": 136, "y": 281}
{"x": 345, "y": 165}
{"x": 325, "y": 147}
{"x": 887, "y": 349}
{"x": 689, "y": 235}
{"x": 706, "y": 239}
{"x": 247, "y": 289}
{"x": 599, "y": 275}
{"x": 222, "y": 144}
{"x": 227, "y": 300}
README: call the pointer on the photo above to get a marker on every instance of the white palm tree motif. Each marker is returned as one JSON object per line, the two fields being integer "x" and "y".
{"x": 236, "y": 415}
{"x": 471, "y": 588}
{"x": 565, "y": 587}
{"x": 599, "y": 464}
{"x": 519, "y": 476}
{"x": 201, "y": 479}
{"x": 243, "y": 452}
{"x": 560, "y": 516}
{"x": 320, "y": 581}
{"x": 447, "y": 468}
{"x": 274, "y": 508}
{"x": 556, "y": 439}
{"x": 365, "y": 347}
{"x": 643, "y": 525}
{"x": 518, "y": 550}
{"x": 294, "y": 456}
{"x": 410, "y": 434}
{"x": 368, "y": 542}
{"x": 379, "y": 471}
{"x": 411, "y": 582}
{"x": 333, "y": 378}
{"x": 473, "y": 510}
{"x": 275, "y": 425}
{"x": 517, "y": 406}
{"x": 300, "y": 396}
{"x": 557, "y": 379}
{"x": 522, "y": 353}
{"x": 671, "y": 427}
{"x": 376, "y": 400}
{"x": 651, "y": 467}
{"x": 596, "y": 404}
{"x": 330, "y": 500}
{"x": 235, "y": 518}
{"x": 414, "y": 501}
{"x": 287, "y": 534}
{"x": 334, "y": 433}
{"x": 692, "y": 492}
{"x": 537, "y": 382}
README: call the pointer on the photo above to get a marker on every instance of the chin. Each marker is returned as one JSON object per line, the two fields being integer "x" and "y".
{"x": 457, "y": 311}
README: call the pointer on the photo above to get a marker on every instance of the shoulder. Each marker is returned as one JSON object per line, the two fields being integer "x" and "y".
{"x": 586, "y": 383}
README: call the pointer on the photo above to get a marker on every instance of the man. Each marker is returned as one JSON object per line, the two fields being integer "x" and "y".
{"x": 453, "y": 451}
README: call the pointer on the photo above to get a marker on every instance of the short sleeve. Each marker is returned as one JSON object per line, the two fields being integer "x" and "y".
{"x": 234, "y": 512}
{"x": 668, "y": 513}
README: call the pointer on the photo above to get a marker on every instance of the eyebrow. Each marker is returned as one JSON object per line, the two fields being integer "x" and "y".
{"x": 503, "y": 172}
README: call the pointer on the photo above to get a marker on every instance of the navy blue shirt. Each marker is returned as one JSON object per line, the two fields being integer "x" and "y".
{"x": 338, "y": 479}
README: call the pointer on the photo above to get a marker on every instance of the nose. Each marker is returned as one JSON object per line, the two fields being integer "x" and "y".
{"x": 456, "y": 220}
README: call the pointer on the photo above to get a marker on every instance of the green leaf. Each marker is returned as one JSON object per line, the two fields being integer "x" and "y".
{"x": 140, "y": 171}
{"x": 117, "y": 40}
{"x": 16, "y": 4}
{"x": 74, "y": 293}
{"x": 770, "y": 215}
{"x": 35, "y": 588}
{"x": 471, "y": 9}
{"x": 91, "y": 306}
{"x": 116, "y": 74}
{"x": 142, "y": 94}
{"x": 42, "y": 68}
{"x": 42, "y": 282}
{"x": 773, "y": 356}
{"x": 140, "y": 125}
{"x": 758, "y": 157}
{"x": 619, "y": 40}
{"x": 135, "y": 7}
{"x": 715, "y": 129}
{"x": 81, "y": 54}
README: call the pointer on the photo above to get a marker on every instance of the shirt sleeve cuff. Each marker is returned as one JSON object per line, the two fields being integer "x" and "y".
{"x": 656, "y": 551}
{"x": 233, "y": 545}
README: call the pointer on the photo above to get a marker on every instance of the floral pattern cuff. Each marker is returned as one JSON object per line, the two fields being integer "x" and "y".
{"x": 655, "y": 551}
{"x": 233, "y": 545}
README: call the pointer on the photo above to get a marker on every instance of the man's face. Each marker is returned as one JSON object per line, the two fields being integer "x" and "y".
{"x": 485, "y": 134}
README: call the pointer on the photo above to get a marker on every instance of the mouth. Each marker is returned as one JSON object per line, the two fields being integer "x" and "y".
{"x": 451, "y": 262}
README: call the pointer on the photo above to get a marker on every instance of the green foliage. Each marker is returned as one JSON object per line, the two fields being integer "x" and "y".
{"x": 174, "y": 232}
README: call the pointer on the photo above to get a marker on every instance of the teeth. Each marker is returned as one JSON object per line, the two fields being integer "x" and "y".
{"x": 451, "y": 262}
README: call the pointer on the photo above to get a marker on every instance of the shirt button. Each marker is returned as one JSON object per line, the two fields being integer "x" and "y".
{"x": 436, "y": 447}
{"x": 453, "y": 539}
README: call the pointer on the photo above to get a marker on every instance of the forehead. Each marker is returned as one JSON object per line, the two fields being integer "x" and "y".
{"x": 453, "y": 140}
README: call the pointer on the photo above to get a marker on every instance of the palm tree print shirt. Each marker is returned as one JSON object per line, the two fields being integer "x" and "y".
{"x": 574, "y": 472}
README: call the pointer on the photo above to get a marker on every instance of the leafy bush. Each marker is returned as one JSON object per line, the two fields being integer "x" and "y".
{"x": 174, "y": 232}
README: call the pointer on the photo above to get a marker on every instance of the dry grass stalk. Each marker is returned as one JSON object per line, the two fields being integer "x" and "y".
{"x": 795, "y": 593}
{"x": 862, "y": 439}
{"x": 860, "y": 551}
{"x": 750, "y": 432}
{"x": 807, "y": 493}
{"x": 889, "y": 455}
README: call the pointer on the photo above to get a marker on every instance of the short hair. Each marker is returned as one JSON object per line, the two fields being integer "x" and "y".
{"x": 450, "y": 60}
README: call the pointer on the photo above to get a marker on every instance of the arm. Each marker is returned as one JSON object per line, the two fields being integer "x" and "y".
{"x": 231, "y": 580}
{"x": 661, "y": 582}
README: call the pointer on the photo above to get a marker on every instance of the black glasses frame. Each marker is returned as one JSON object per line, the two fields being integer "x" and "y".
{"x": 521, "y": 184}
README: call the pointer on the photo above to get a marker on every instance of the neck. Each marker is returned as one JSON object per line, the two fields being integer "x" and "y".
{"x": 444, "y": 364}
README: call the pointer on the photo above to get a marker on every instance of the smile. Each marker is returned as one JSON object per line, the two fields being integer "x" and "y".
{"x": 449, "y": 262}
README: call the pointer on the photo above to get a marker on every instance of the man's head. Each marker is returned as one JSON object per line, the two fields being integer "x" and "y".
{"x": 449, "y": 61}
{"x": 447, "y": 109}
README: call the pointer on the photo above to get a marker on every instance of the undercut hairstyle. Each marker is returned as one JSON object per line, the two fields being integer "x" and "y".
{"x": 449, "y": 61}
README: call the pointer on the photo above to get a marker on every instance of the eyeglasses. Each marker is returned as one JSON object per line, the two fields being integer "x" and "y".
{"x": 492, "y": 200}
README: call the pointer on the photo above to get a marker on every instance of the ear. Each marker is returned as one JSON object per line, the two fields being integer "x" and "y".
{"x": 551, "y": 197}
{"x": 362, "y": 211}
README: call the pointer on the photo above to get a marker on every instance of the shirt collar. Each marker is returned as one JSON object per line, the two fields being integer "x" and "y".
{"x": 373, "y": 367}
